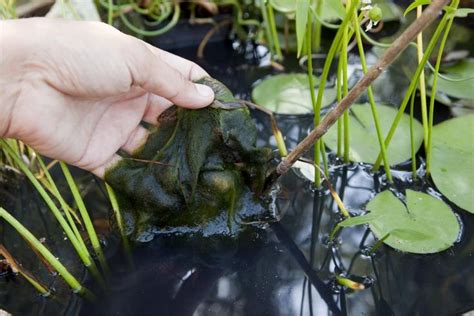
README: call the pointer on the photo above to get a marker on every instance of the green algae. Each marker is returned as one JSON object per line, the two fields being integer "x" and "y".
{"x": 198, "y": 176}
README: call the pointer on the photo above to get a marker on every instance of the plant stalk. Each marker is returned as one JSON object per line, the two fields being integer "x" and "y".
{"x": 85, "y": 217}
{"x": 58, "y": 266}
{"x": 428, "y": 16}
{"x": 372, "y": 103}
{"x": 422, "y": 81}
{"x": 434, "y": 86}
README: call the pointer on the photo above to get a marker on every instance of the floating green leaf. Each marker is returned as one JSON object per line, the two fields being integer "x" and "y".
{"x": 458, "y": 89}
{"x": 423, "y": 225}
{"x": 363, "y": 137}
{"x": 284, "y": 6}
{"x": 391, "y": 11}
{"x": 332, "y": 10}
{"x": 359, "y": 220}
{"x": 453, "y": 160}
{"x": 289, "y": 94}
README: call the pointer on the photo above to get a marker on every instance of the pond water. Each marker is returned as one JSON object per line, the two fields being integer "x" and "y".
{"x": 291, "y": 273}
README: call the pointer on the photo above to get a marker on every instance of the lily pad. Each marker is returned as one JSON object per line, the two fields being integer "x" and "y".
{"x": 422, "y": 225}
{"x": 453, "y": 160}
{"x": 390, "y": 11}
{"x": 330, "y": 10}
{"x": 457, "y": 89}
{"x": 364, "y": 144}
{"x": 289, "y": 94}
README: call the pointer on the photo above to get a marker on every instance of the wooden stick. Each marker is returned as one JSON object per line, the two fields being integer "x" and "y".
{"x": 398, "y": 46}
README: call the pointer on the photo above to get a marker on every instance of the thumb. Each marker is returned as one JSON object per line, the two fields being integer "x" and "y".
{"x": 158, "y": 75}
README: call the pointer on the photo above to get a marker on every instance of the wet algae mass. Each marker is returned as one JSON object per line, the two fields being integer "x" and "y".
{"x": 199, "y": 177}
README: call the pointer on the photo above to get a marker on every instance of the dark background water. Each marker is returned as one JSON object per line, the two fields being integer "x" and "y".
{"x": 273, "y": 280}
{"x": 292, "y": 274}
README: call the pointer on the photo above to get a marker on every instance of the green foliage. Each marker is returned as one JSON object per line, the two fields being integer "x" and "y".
{"x": 416, "y": 4}
{"x": 452, "y": 161}
{"x": 463, "y": 12}
{"x": 289, "y": 94}
{"x": 421, "y": 224}
{"x": 458, "y": 89}
{"x": 364, "y": 145}
{"x": 302, "y": 9}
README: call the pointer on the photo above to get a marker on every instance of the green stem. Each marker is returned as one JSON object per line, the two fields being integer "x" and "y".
{"x": 434, "y": 86}
{"x": 69, "y": 233}
{"x": 339, "y": 98}
{"x": 325, "y": 74}
{"x": 345, "y": 84}
{"x": 63, "y": 203}
{"x": 263, "y": 8}
{"x": 276, "y": 42}
{"x": 38, "y": 286}
{"x": 411, "y": 87}
{"x": 387, "y": 45}
{"x": 378, "y": 244}
{"x": 318, "y": 27}
{"x": 110, "y": 12}
{"x": 52, "y": 260}
{"x": 373, "y": 105}
{"x": 119, "y": 220}
{"x": 325, "y": 160}
{"x": 316, "y": 110}
{"x": 422, "y": 82}
{"x": 164, "y": 29}
{"x": 85, "y": 217}
{"x": 412, "y": 137}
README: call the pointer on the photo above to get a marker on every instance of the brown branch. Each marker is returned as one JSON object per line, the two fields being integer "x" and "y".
{"x": 399, "y": 45}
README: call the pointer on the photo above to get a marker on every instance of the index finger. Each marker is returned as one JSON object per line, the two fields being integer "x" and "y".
{"x": 187, "y": 68}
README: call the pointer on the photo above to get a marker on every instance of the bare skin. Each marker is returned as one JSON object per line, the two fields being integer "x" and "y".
{"x": 77, "y": 91}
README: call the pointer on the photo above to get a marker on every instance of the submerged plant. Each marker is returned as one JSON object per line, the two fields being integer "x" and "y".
{"x": 199, "y": 175}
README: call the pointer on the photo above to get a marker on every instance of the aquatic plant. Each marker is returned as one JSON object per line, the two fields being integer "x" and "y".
{"x": 204, "y": 198}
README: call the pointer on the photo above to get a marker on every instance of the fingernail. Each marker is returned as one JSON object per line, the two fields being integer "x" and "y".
{"x": 204, "y": 91}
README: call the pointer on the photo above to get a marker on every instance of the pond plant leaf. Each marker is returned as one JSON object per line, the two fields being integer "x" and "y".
{"x": 359, "y": 220}
{"x": 206, "y": 188}
{"x": 452, "y": 167}
{"x": 364, "y": 145}
{"x": 289, "y": 94}
{"x": 457, "y": 89}
{"x": 424, "y": 224}
{"x": 284, "y": 6}
{"x": 330, "y": 10}
{"x": 463, "y": 12}
{"x": 390, "y": 11}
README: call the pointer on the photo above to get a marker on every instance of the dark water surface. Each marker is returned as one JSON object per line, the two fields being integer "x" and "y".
{"x": 293, "y": 273}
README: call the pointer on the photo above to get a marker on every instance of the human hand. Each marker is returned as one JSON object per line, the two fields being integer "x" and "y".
{"x": 77, "y": 91}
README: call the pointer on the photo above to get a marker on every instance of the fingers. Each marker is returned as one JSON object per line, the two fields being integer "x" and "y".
{"x": 100, "y": 170}
{"x": 155, "y": 106}
{"x": 187, "y": 68}
{"x": 169, "y": 77}
{"x": 136, "y": 139}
